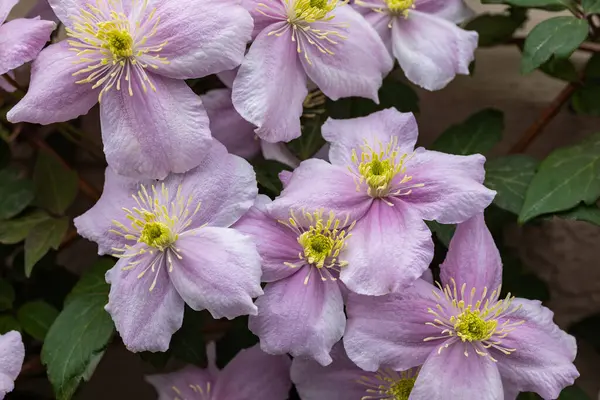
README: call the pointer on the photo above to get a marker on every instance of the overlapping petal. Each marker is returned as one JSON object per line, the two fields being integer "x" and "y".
{"x": 182, "y": 383}
{"x": 12, "y": 354}
{"x": 149, "y": 135}
{"x": 452, "y": 10}
{"x": 21, "y": 40}
{"x": 5, "y": 7}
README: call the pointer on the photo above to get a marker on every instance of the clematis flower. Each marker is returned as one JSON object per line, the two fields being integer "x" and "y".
{"x": 132, "y": 56}
{"x": 388, "y": 188}
{"x": 12, "y": 354}
{"x": 325, "y": 41}
{"x": 251, "y": 375}
{"x": 175, "y": 246}
{"x": 43, "y": 9}
{"x": 343, "y": 380}
{"x": 20, "y": 39}
{"x": 424, "y": 38}
{"x": 237, "y": 134}
{"x": 302, "y": 310}
{"x": 472, "y": 343}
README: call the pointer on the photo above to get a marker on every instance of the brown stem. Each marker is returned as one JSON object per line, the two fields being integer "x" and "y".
{"x": 69, "y": 239}
{"x": 549, "y": 112}
{"x": 13, "y": 83}
{"x": 91, "y": 192}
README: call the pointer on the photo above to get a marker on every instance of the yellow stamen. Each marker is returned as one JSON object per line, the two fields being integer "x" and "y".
{"x": 398, "y": 7}
{"x": 387, "y": 384}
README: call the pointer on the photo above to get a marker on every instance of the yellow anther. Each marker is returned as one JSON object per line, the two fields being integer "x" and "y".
{"x": 400, "y": 390}
{"x": 470, "y": 326}
{"x": 400, "y": 6}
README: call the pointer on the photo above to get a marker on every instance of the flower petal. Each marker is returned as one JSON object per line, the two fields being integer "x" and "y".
{"x": 64, "y": 9}
{"x": 389, "y": 330}
{"x": 182, "y": 383}
{"x": 298, "y": 316}
{"x": 228, "y": 127}
{"x": 389, "y": 249}
{"x": 270, "y": 72}
{"x": 252, "y": 374}
{"x": 337, "y": 381}
{"x": 5, "y": 85}
{"x": 431, "y": 50}
{"x": 5, "y": 7}
{"x": 543, "y": 359}
{"x": 224, "y": 184}
{"x": 219, "y": 271}
{"x": 473, "y": 258}
{"x": 96, "y": 223}
{"x": 453, "y": 188}
{"x": 265, "y": 16}
{"x": 43, "y": 10}
{"x": 53, "y": 95}
{"x": 149, "y": 135}
{"x": 317, "y": 184}
{"x": 280, "y": 153}
{"x": 145, "y": 314}
{"x": 12, "y": 354}
{"x": 452, "y": 375}
{"x": 211, "y": 39}
{"x": 276, "y": 243}
{"x": 380, "y": 21}
{"x": 21, "y": 40}
{"x": 359, "y": 61}
{"x": 452, "y": 10}
{"x": 346, "y": 135}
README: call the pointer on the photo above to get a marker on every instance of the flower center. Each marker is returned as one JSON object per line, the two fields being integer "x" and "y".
{"x": 400, "y": 6}
{"x": 313, "y": 10}
{"x": 467, "y": 318}
{"x": 400, "y": 390}
{"x": 471, "y": 327}
{"x": 379, "y": 168}
{"x": 387, "y": 384}
{"x": 157, "y": 222}
{"x": 321, "y": 242}
{"x": 113, "y": 48}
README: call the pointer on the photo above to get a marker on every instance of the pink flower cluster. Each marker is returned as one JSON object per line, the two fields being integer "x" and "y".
{"x": 344, "y": 250}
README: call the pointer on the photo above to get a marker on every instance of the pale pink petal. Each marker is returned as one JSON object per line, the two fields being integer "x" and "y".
{"x": 379, "y": 128}
{"x": 300, "y": 316}
{"x": 253, "y": 375}
{"x": 146, "y": 309}
{"x": 431, "y": 50}
{"x": 64, "y": 9}
{"x": 279, "y": 152}
{"x": 358, "y": 63}
{"x": 381, "y": 22}
{"x": 219, "y": 271}
{"x": 21, "y": 40}
{"x": 53, "y": 95}
{"x": 452, "y": 375}
{"x": 389, "y": 248}
{"x": 472, "y": 258}
{"x": 389, "y": 330}
{"x": 12, "y": 354}
{"x": 202, "y": 38}
{"x": 5, "y": 85}
{"x": 182, "y": 383}
{"x": 272, "y": 12}
{"x": 149, "y": 135}
{"x": 452, "y": 190}
{"x": 43, "y": 10}
{"x": 452, "y": 10}
{"x": 276, "y": 243}
{"x": 5, "y": 7}
{"x": 271, "y": 72}
{"x": 543, "y": 358}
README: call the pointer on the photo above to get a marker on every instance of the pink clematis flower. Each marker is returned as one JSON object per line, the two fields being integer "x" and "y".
{"x": 12, "y": 354}
{"x": 325, "y": 41}
{"x": 473, "y": 345}
{"x": 133, "y": 57}
{"x": 424, "y": 38}
{"x": 20, "y": 39}
{"x": 302, "y": 310}
{"x": 343, "y": 380}
{"x": 251, "y": 375}
{"x": 175, "y": 247}
{"x": 388, "y": 188}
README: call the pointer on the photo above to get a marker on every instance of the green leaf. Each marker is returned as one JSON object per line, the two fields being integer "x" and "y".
{"x": 557, "y": 4}
{"x": 8, "y": 323}
{"x": 558, "y": 36}
{"x": 187, "y": 343}
{"x": 583, "y": 213}
{"x": 7, "y": 295}
{"x": 496, "y": 29}
{"x": 267, "y": 175}
{"x": 591, "y": 6}
{"x": 478, "y": 134}
{"x": 16, "y": 230}
{"x": 93, "y": 282}
{"x": 567, "y": 177}
{"x": 44, "y": 236}
{"x": 36, "y": 318}
{"x": 560, "y": 68}
{"x": 510, "y": 177}
{"x": 78, "y": 337}
{"x": 443, "y": 232}
{"x": 55, "y": 184}
{"x": 15, "y": 193}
